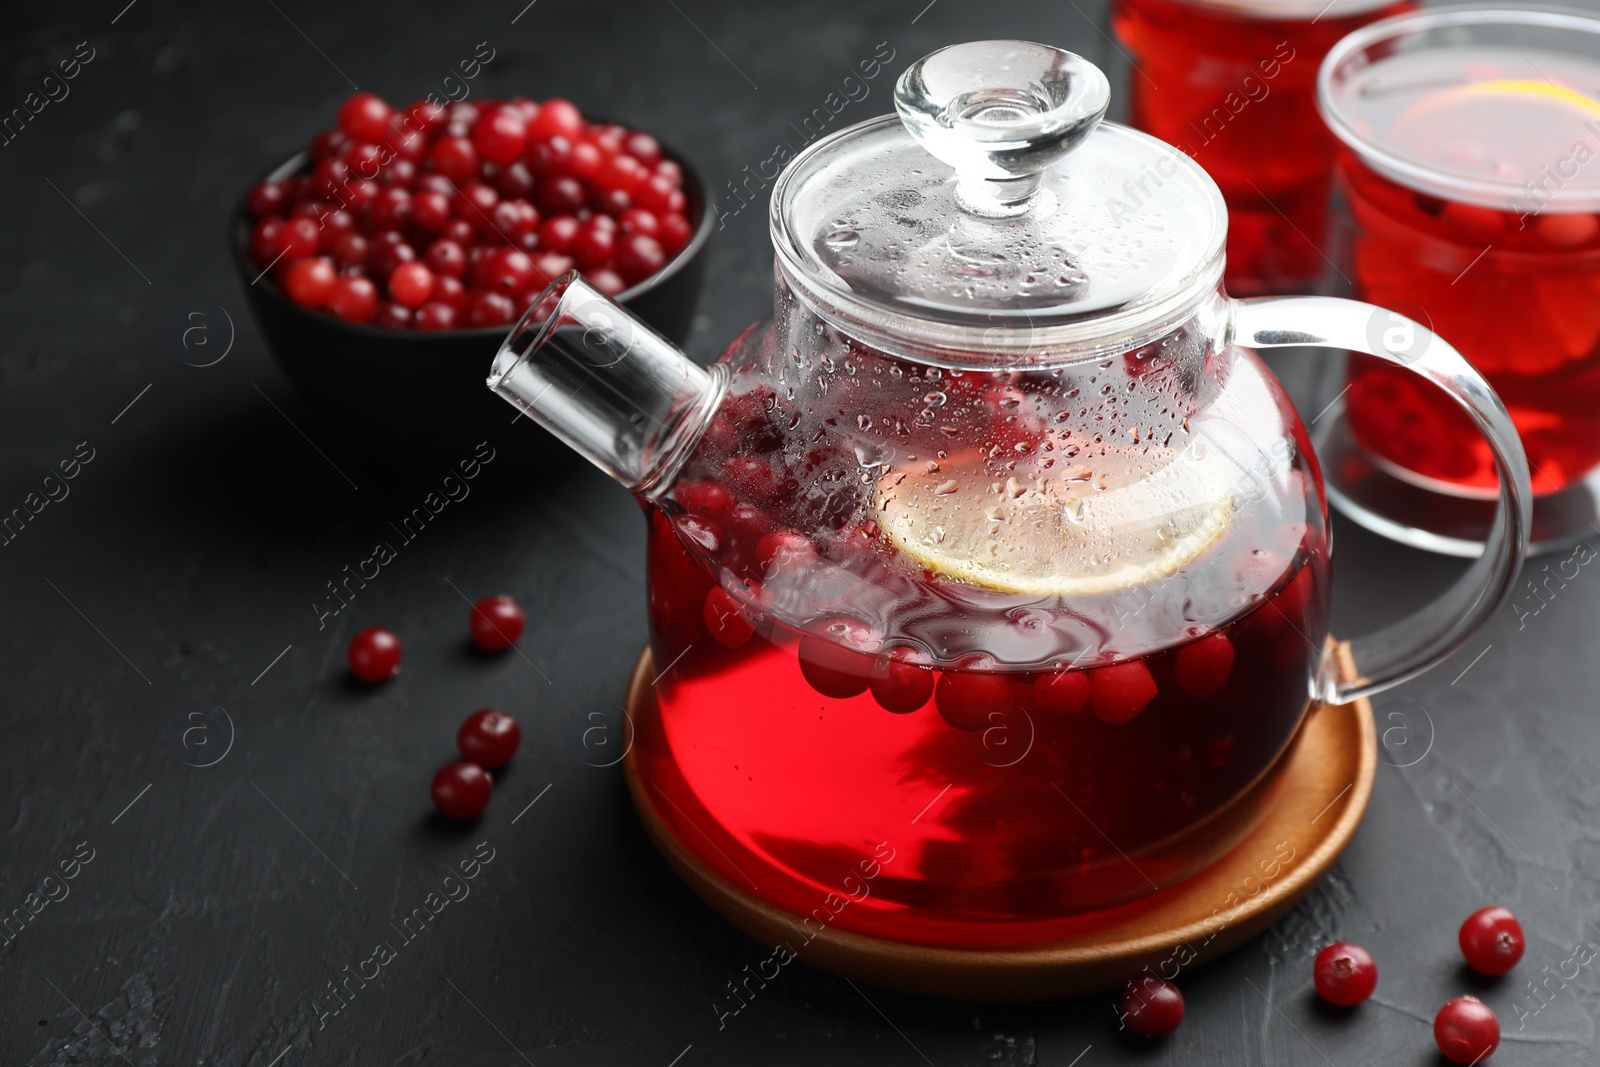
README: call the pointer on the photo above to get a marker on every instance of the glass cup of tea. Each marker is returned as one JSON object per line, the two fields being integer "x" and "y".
{"x": 1233, "y": 84}
{"x": 1469, "y": 157}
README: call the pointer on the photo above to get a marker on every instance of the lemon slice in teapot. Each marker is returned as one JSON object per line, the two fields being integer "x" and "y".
{"x": 1065, "y": 537}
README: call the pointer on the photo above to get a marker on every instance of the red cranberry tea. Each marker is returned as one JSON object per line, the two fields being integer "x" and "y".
{"x": 1028, "y": 666}
{"x": 1513, "y": 281}
{"x": 1234, "y": 86}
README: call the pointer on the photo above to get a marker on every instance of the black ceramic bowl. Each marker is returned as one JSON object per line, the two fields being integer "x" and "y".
{"x": 415, "y": 389}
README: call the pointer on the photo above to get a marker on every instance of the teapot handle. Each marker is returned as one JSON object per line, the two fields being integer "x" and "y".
{"x": 1405, "y": 649}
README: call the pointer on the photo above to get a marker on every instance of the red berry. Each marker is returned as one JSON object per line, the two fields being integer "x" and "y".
{"x": 508, "y": 271}
{"x": 365, "y": 117}
{"x": 349, "y": 250}
{"x": 489, "y": 738}
{"x": 619, "y": 173}
{"x": 638, "y": 220}
{"x": 1345, "y": 974}
{"x": 594, "y": 244}
{"x": 784, "y": 551}
{"x": 411, "y": 284}
{"x": 560, "y": 195}
{"x": 268, "y": 198}
{"x": 548, "y": 266}
{"x": 752, "y": 478}
{"x": 1567, "y": 231}
{"x": 400, "y": 173}
{"x": 669, "y": 170}
{"x": 430, "y": 210}
{"x": 455, "y": 158}
{"x": 586, "y": 161}
{"x": 264, "y": 241}
{"x": 607, "y": 281}
{"x": 387, "y": 251}
{"x": 422, "y": 117}
{"x": 899, "y": 684}
{"x": 725, "y": 619}
{"x": 298, "y": 238}
{"x": 435, "y": 316}
{"x": 1061, "y": 693}
{"x": 556, "y": 118}
{"x": 473, "y": 203}
{"x": 973, "y": 700}
{"x": 1119, "y": 692}
{"x": 374, "y": 654}
{"x": 489, "y": 309}
{"x": 311, "y": 281}
{"x": 392, "y": 316}
{"x": 1491, "y": 940}
{"x": 326, "y": 143}
{"x": 461, "y": 790}
{"x": 359, "y": 193}
{"x": 703, "y": 498}
{"x": 1466, "y": 1030}
{"x": 353, "y": 299}
{"x": 496, "y": 623}
{"x": 500, "y": 133}
{"x": 549, "y": 157}
{"x": 1151, "y": 1006}
{"x": 446, "y": 257}
{"x": 448, "y": 291}
{"x": 1203, "y": 666}
{"x": 675, "y": 233}
{"x": 514, "y": 182}
{"x": 639, "y": 256}
{"x": 329, "y": 175}
{"x": 838, "y": 665}
{"x": 391, "y": 210}
{"x": 643, "y": 147}
{"x": 557, "y": 233}
{"x": 654, "y": 194}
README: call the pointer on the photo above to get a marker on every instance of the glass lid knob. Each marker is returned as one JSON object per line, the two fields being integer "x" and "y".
{"x": 1000, "y": 113}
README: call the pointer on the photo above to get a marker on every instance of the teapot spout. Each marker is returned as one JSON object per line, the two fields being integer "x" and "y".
{"x": 620, "y": 394}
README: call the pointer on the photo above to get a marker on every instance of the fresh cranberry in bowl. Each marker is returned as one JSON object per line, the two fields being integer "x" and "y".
{"x": 395, "y": 362}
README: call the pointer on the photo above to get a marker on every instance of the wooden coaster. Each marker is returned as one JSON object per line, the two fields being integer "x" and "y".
{"x": 1327, "y": 781}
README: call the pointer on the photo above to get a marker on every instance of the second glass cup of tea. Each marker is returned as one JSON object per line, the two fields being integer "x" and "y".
{"x": 1232, "y": 83}
{"x": 1470, "y": 159}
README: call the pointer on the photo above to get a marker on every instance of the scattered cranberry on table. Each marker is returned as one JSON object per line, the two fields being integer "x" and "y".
{"x": 1345, "y": 974}
{"x": 496, "y": 623}
{"x": 1151, "y": 1006}
{"x": 501, "y": 197}
{"x": 1466, "y": 1030}
{"x": 489, "y": 738}
{"x": 461, "y": 790}
{"x": 374, "y": 654}
{"x": 1491, "y": 940}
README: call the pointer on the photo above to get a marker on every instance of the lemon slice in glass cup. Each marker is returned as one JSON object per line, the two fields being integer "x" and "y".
{"x": 1527, "y": 123}
{"x": 1054, "y": 536}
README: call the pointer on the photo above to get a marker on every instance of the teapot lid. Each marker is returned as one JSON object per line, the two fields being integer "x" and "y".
{"x": 996, "y": 220}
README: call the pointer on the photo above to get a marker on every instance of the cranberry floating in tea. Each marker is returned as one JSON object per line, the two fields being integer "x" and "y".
{"x": 988, "y": 577}
{"x": 1468, "y": 158}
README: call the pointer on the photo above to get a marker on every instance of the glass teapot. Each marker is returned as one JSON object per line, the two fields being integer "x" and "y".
{"x": 994, "y": 550}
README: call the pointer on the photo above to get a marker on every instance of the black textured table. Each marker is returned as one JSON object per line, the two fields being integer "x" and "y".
{"x": 242, "y": 826}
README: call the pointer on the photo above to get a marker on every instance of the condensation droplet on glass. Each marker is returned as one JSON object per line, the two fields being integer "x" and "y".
{"x": 841, "y": 237}
{"x": 935, "y": 399}
{"x": 869, "y": 454}
{"x": 945, "y": 488}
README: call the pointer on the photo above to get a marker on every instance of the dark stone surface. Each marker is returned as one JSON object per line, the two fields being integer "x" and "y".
{"x": 178, "y": 578}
